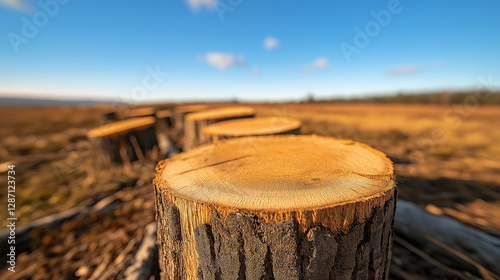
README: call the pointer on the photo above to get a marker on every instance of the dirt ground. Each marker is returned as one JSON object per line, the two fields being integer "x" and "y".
{"x": 446, "y": 158}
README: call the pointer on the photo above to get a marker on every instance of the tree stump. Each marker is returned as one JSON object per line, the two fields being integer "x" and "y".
{"x": 165, "y": 117}
{"x": 123, "y": 141}
{"x": 195, "y": 122}
{"x": 181, "y": 111}
{"x": 165, "y": 134}
{"x": 110, "y": 116}
{"x": 141, "y": 112}
{"x": 252, "y": 127}
{"x": 287, "y": 207}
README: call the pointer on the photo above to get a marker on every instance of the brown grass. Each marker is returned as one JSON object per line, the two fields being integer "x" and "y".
{"x": 447, "y": 156}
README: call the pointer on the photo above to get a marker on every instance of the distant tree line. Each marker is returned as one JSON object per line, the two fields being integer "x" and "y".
{"x": 483, "y": 98}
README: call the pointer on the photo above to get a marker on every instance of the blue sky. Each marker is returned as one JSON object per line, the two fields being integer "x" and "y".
{"x": 143, "y": 51}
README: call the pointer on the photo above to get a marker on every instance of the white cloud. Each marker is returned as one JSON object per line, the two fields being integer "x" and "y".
{"x": 271, "y": 43}
{"x": 196, "y": 4}
{"x": 19, "y": 5}
{"x": 256, "y": 71}
{"x": 318, "y": 64}
{"x": 223, "y": 61}
{"x": 404, "y": 69}
{"x": 415, "y": 68}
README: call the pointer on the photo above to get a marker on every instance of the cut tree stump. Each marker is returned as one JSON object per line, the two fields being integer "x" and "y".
{"x": 110, "y": 116}
{"x": 287, "y": 207}
{"x": 165, "y": 116}
{"x": 165, "y": 134}
{"x": 123, "y": 141}
{"x": 252, "y": 127}
{"x": 181, "y": 111}
{"x": 141, "y": 112}
{"x": 195, "y": 122}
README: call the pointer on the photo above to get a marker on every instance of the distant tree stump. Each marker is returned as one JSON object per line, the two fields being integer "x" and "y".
{"x": 165, "y": 134}
{"x": 141, "y": 112}
{"x": 288, "y": 207}
{"x": 181, "y": 111}
{"x": 123, "y": 141}
{"x": 110, "y": 116}
{"x": 252, "y": 127}
{"x": 165, "y": 117}
{"x": 195, "y": 122}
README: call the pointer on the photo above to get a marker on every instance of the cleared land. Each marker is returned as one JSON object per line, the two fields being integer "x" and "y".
{"x": 447, "y": 160}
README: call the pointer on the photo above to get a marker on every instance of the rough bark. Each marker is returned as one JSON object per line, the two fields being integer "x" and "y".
{"x": 169, "y": 241}
{"x": 126, "y": 147}
{"x": 240, "y": 246}
{"x": 178, "y": 119}
{"x": 180, "y": 112}
{"x": 107, "y": 150}
{"x": 147, "y": 140}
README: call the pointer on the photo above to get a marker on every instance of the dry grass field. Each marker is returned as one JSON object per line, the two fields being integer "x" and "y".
{"x": 447, "y": 160}
{"x": 448, "y": 156}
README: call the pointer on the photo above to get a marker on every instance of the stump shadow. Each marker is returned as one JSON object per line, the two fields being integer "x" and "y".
{"x": 445, "y": 192}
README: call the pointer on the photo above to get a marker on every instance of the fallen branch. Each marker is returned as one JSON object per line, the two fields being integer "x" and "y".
{"x": 104, "y": 206}
{"x": 115, "y": 269}
{"x": 429, "y": 259}
{"x": 466, "y": 218}
{"x": 415, "y": 224}
{"x": 140, "y": 269}
{"x": 485, "y": 273}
